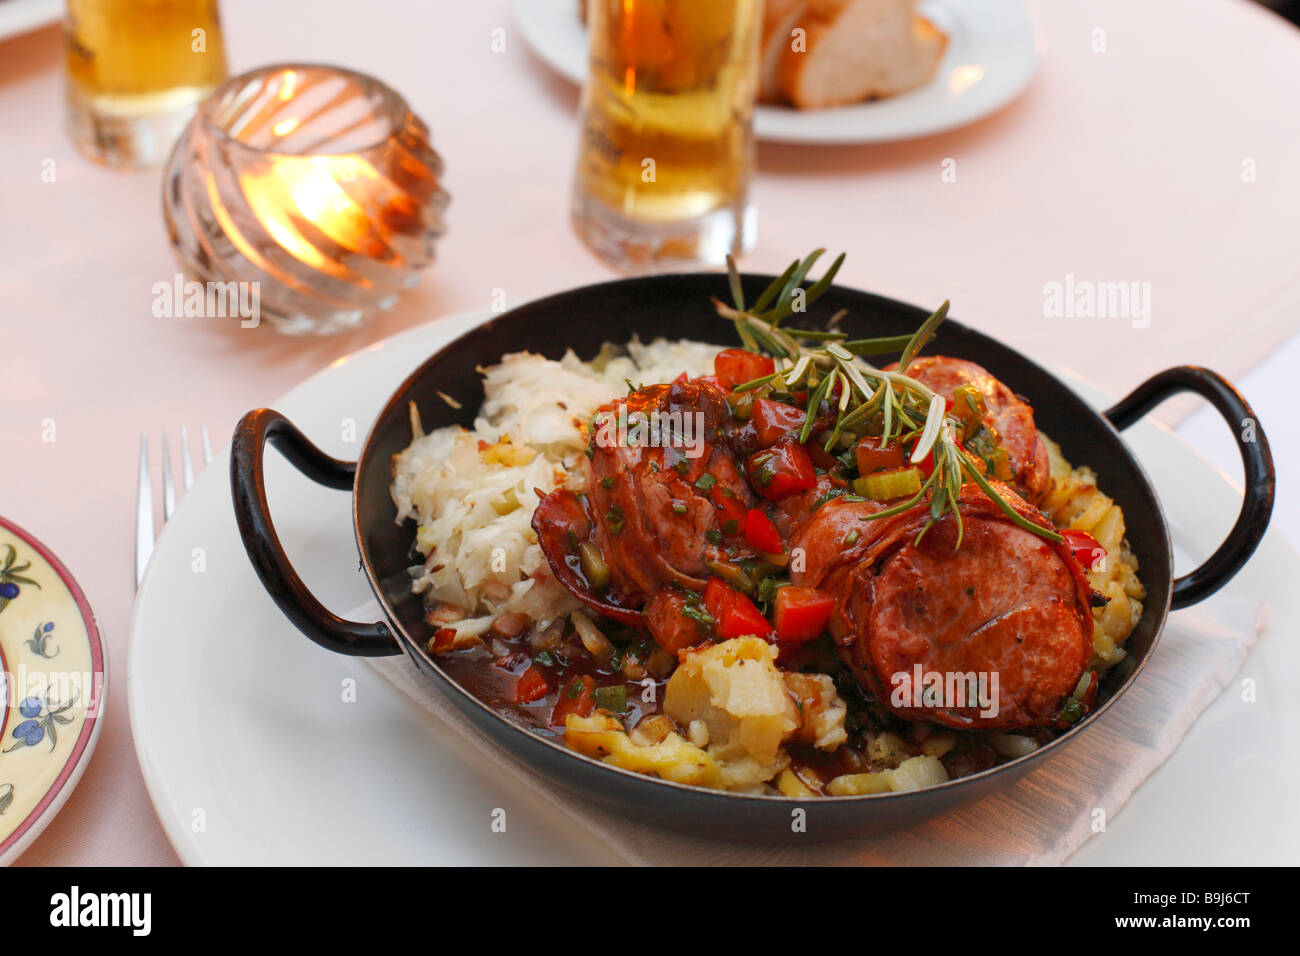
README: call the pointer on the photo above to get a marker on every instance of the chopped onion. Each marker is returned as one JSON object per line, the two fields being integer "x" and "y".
{"x": 596, "y": 643}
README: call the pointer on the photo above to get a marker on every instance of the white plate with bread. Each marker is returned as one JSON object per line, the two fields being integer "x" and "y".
{"x": 22, "y": 16}
{"x": 852, "y": 71}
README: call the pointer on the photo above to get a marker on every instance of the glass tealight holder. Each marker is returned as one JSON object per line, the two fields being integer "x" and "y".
{"x": 315, "y": 186}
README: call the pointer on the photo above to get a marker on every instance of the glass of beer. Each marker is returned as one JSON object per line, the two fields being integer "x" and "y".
{"x": 667, "y": 149}
{"x": 137, "y": 70}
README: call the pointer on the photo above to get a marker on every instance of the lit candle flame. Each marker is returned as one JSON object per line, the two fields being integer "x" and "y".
{"x": 295, "y": 190}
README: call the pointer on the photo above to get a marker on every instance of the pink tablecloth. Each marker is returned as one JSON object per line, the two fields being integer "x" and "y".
{"x": 1117, "y": 166}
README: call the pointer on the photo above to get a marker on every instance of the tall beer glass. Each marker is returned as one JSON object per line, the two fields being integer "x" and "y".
{"x": 667, "y": 149}
{"x": 137, "y": 69}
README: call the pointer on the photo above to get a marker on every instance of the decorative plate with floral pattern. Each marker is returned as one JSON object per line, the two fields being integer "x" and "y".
{"x": 53, "y": 691}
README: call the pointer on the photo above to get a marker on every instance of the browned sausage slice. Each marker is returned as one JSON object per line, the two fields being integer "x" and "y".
{"x": 1000, "y": 622}
{"x": 1010, "y": 417}
{"x": 1007, "y": 603}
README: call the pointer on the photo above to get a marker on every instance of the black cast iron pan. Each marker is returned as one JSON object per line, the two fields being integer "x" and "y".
{"x": 679, "y": 306}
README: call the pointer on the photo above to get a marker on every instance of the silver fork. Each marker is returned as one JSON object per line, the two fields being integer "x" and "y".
{"x": 144, "y": 492}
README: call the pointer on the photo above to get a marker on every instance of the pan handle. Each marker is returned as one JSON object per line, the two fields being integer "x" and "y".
{"x": 1256, "y": 461}
{"x": 253, "y": 515}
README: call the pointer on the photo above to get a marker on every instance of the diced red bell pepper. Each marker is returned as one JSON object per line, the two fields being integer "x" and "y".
{"x": 872, "y": 456}
{"x": 761, "y": 533}
{"x": 668, "y": 624}
{"x": 734, "y": 614}
{"x": 732, "y": 509}
{"x": 531, "y": 686}
{"x": 443, "y": 638}
{"x": 772, "y": 421}
{"x": 1086, "y": 549}
{"x": 926, "y": 464}
{"x": 801, "y": 613}
{"x": 577, "y": 698}
{"x": 780, "y": 471}
{"x": 821, "y": 458}
{"x": 717, "y": 595}
{"x": 736, "y": 366}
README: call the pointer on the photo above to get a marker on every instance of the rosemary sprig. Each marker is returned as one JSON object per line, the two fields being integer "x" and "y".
{"x": 973, "y": 470}
{"x": 814, "y": 403}
{"x": 899, "y": 407}
{"x": 922, "y": 336}
{"x": 885, "y": 345}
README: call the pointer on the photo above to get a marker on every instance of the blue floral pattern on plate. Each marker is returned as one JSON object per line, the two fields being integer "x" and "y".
{"x": 43, "y": 720}
{"x": 39, "y": 642}
{"x": 11, "y": 576}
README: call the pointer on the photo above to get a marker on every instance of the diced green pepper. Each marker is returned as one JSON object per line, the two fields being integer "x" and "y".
{"x": 733, "y": 574}
{"x": 887, "y": 485}
{"x": 594, "y": 567}
{"x": 613, "y": 699}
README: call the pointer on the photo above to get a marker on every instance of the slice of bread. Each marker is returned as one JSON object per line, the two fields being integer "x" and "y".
{"x": 780, "y": 17}
{"x": 857, "y": 50}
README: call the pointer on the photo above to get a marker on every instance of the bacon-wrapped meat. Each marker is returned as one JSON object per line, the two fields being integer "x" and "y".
{"x": 666, "y": 496}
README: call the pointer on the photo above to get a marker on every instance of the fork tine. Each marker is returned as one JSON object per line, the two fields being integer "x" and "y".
{"x": 169, "y": 489}
{"x": 207, "y": 447}
{"x": 143, "y": 513}
{"x": 186, "y": 468}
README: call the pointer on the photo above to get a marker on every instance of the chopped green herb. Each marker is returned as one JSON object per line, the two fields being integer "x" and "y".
{"x": 705, "y": 482}
{"x": 713, "y": 536}
{"x": 679, "y": 507}
{"x": 696, "y": 612}
{"x": 829, "y": 496}
{"x": 731, "y": 527}
{"x": 614, "y": 518}
{"x": 1071, "y": 712}
{"x": 851, "y": 538}
{"x": 607, "y": 482}
{"x": 544, "y": 658}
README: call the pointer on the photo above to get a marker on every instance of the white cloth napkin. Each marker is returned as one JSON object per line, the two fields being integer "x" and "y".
{"x": 1041, "y": 819}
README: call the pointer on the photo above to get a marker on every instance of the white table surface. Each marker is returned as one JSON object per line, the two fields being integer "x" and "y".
{"x": 1115, "y": 166}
